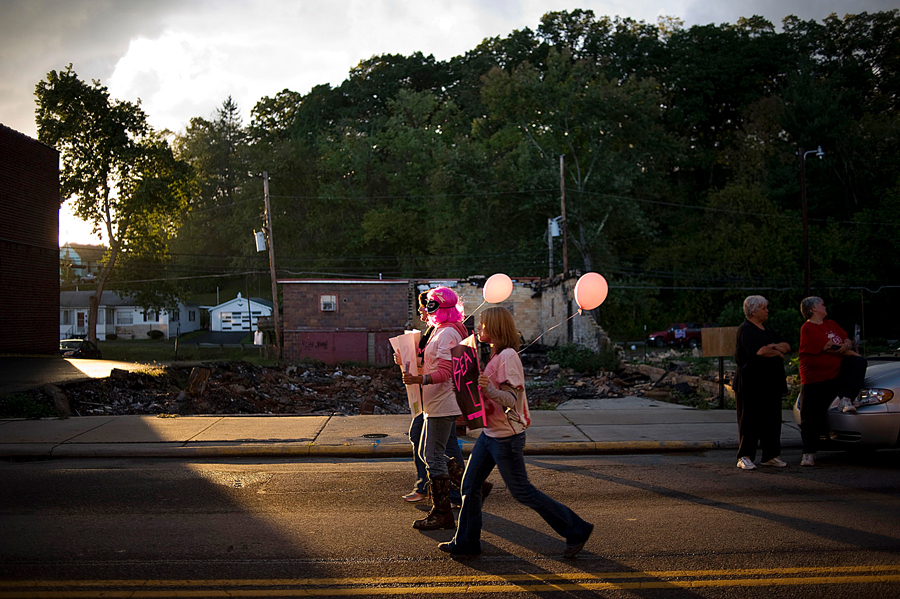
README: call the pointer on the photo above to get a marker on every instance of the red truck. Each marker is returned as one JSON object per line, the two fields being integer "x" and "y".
{"x": 680, "y": 334}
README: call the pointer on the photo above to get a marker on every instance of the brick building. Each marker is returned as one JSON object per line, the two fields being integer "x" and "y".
{"x": 29, "y": 244}
{"x": 344, "y": 319}
{"x": 352, "y": 320}
{"x": 543, "y": 308}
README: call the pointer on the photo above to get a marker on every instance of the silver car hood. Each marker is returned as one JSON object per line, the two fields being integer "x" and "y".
{"x": 883, "y": 374}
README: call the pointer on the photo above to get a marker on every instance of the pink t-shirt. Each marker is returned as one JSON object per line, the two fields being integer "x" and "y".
{"x": 506, "y": 367}
{"x": 440, "y": 399}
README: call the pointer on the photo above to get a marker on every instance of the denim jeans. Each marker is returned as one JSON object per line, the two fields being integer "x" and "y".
{"x": 435, "y": 441}
{"x": 507, "y": 455}
{"x": 453, "y": 451}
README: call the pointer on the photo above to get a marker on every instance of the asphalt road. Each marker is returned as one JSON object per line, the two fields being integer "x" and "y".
{"x": 680, "y": 526}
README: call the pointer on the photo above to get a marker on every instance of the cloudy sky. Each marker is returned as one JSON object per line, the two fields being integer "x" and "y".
{"x": 182, "y": 58}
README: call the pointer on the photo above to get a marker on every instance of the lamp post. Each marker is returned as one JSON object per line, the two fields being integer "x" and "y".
{"x": 818, "y": 152}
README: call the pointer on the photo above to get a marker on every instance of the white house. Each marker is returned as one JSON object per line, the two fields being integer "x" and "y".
{"x": 239, "y": 314}
{"x": 120, "y": 316}
{"x": 79, "y": 262}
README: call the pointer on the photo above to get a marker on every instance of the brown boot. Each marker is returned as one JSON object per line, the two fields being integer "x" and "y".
{"x": 456, "y": 474}
{"x": 441, "y": 515}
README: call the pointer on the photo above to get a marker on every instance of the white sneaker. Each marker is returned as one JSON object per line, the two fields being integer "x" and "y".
{"x": 746, "y": 463}
{"x": 809, "y": 459}
{"x": 776, "y": 461}
{"x": 847, "y": 406}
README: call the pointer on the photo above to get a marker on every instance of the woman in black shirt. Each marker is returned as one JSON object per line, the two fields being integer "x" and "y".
{"x": 759, "y": 383}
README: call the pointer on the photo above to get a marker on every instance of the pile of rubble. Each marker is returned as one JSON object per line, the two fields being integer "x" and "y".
{"x": 244, "y": 388}
{"x": 241, "y": 388}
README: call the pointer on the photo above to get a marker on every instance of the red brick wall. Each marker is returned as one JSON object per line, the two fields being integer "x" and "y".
{"x": 375, "y": 310}
{"x": 29, "y": 245}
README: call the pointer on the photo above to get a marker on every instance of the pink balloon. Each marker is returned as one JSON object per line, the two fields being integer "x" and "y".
{"x": 497, "y": 288}
{"x": 590, "y": 291}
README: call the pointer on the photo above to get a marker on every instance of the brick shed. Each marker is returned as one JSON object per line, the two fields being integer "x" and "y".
{"x": 29, "y": 244}
{"x": 344, "y": 320}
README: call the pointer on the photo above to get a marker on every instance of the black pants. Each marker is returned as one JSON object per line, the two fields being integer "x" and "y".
{"x": 818, "y": 396}
{"x": 759, "y": 424}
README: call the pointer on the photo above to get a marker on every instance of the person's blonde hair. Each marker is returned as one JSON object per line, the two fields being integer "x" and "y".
{"x": 498, "y": 323}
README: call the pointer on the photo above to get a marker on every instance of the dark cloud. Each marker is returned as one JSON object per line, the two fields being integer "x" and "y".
{"x": 705, "y": 11}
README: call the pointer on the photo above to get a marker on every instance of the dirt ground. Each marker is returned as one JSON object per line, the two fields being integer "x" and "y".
{"x": 315, "y": 389}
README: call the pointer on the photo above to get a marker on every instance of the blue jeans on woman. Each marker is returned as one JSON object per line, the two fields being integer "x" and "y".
{"x": 507, "y": 454}
{"x": 452, "y": 451}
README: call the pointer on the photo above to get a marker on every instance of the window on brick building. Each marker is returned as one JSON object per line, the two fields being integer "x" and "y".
{"x": 328, "y": 303}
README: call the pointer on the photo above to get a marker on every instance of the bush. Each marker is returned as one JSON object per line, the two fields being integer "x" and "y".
{"x": 23, "y": 406}
{"x": 155, "y": 334}
{"x": 583, "y": 360}
{"x": 112, "y": 337}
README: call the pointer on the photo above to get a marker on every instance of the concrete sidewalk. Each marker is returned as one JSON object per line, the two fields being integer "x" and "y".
{"x": 598, "y": 426}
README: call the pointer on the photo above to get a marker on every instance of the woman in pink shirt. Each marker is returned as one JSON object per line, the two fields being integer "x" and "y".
{"x": 502, "y": 443}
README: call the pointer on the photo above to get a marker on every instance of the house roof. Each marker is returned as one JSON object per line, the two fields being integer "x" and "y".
{"x": 256, "y": 300}
{"x": 79, "y": 299}
{"x": 346, "y": 281}
{"x": 88, "y": 253}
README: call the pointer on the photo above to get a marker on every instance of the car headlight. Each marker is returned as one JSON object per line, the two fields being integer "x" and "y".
{"x": 869, "y": 397}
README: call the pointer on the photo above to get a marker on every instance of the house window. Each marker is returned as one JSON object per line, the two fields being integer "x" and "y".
{"x": 328, "y": 303}
{"x": 124, "y": 318}
{"x": 151, "y": 316}
{"x": 192, "y": 315}
{"x": 176, "y": 315}
{"x": 66, "y": 317}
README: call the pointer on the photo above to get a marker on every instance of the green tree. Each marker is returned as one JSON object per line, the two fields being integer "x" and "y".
{"x": 120, "y": 175}
{"x": 609, "y": 132}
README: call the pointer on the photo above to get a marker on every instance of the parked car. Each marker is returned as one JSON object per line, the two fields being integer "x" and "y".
{"x": 79, "y": 348}
{"x": 680, "y": 334}
{"x": 876, "y": 423}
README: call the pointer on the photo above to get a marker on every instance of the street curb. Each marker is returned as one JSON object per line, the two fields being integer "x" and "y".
{"x": 373, "y": 451}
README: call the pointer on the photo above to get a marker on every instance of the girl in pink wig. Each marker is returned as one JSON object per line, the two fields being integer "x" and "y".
{"x": 444, "y": 311}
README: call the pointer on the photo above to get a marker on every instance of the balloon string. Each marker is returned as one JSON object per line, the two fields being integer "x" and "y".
{"x": 474, "y": 311}
{"x": 550, "y": 329}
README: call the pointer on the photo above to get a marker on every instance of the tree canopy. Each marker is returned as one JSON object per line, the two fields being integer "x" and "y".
{"x": 681, "y": 160}
{"x": 121, "y": 176}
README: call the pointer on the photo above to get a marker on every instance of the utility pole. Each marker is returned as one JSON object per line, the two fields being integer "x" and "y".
{"x": 275, "y": 312}
{"x": 562, "y": 200}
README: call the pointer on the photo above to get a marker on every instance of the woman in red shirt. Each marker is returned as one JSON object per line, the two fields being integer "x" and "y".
{"x": 829, "y": 371}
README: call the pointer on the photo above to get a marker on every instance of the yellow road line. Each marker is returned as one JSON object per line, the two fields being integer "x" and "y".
{"x": 475, "y": 578}
{"x": 404, "y": 585}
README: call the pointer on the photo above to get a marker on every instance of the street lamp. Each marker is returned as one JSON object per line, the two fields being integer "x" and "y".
{"x": 818, "y": 152}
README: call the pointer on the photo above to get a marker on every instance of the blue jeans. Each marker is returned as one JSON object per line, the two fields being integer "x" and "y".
{"x": 436, "y": 444}
{"x": 453, "y": 451}
{"x": 507, "y": 455}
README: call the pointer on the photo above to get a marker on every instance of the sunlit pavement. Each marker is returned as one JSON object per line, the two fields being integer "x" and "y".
{"x": 19, "y": 374}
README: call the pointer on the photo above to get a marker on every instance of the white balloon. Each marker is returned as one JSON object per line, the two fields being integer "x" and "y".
{"x": 497, "y": 288}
